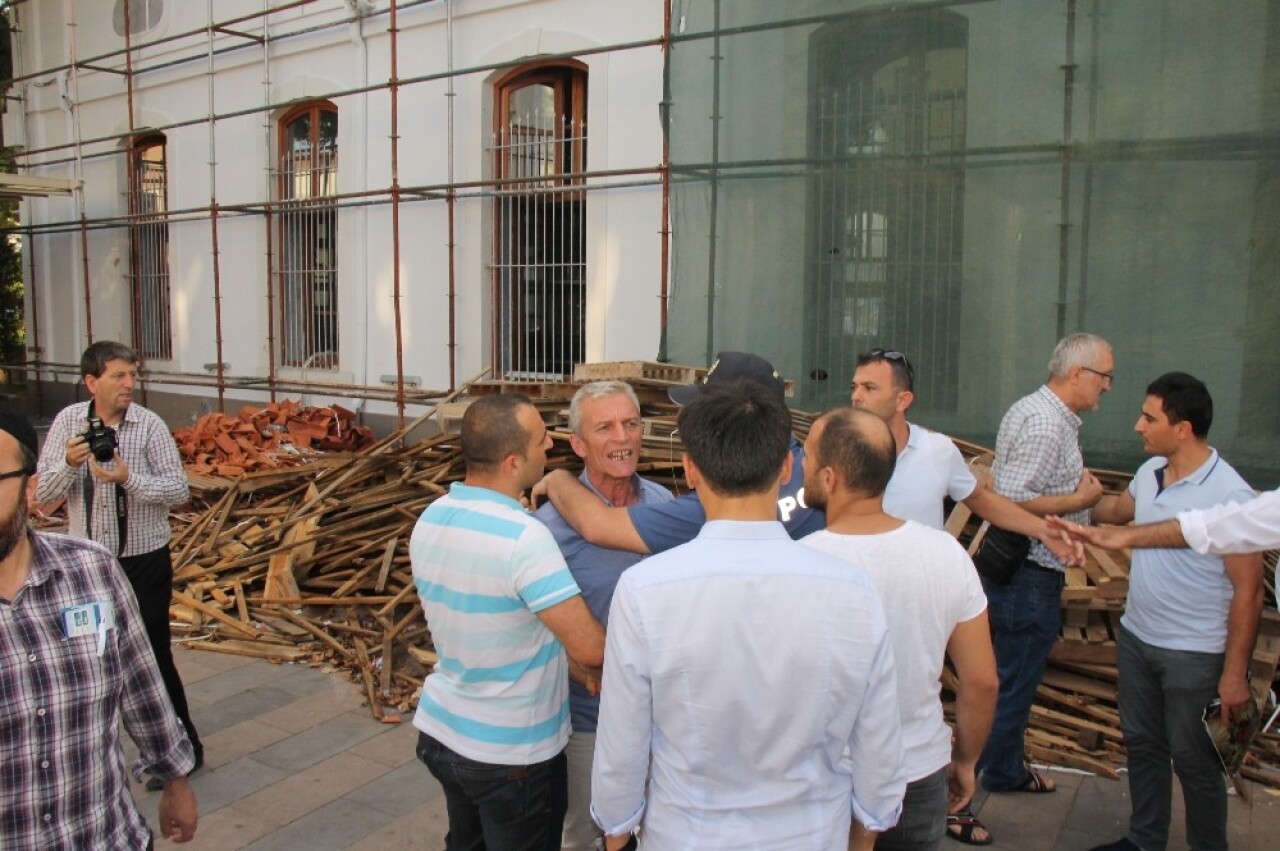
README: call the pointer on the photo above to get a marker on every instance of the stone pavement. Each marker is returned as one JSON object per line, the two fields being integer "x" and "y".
{"x": 294, "y": 760}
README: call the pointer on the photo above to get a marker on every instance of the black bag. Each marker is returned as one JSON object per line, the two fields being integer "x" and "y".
{"x": 1000, "y": 555}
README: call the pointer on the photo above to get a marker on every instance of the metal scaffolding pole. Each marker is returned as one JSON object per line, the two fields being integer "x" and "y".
{"x": 394, "y": 83}
{"x": 219, "y": 365}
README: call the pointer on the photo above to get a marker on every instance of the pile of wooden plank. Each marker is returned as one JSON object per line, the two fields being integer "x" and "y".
{"x": 283, "y": 434}
{"x": 311, "y": 564}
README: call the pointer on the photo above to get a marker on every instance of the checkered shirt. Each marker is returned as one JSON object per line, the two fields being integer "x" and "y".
{"x": 156, "y": 479}
{"x": 62, "y": 767}
{"x": 1038, "y": 454}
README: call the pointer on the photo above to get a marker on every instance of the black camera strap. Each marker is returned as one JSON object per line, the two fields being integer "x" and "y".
{"x": 122, "y": 503}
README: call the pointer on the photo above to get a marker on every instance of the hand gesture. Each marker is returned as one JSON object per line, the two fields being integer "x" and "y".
{"x": 1089, "y": 491}
{"x": 117, "y": 473}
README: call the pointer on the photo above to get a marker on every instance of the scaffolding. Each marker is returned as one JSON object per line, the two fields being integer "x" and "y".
{"x": 301, "y": 197}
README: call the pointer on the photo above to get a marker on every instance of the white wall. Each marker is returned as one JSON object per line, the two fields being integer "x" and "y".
{"x": 623, "y": 224}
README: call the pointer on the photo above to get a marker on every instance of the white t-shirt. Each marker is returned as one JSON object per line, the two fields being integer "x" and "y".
{"x": 929, "y": 468}
{"x": 928, "y": 585}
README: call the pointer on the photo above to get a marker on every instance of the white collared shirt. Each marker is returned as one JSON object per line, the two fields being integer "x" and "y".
{"x": 749, "y": 698}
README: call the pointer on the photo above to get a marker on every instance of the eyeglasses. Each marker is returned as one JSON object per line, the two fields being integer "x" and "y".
{"x": 14, "y": 474}
{"x": 1109, "y": 376}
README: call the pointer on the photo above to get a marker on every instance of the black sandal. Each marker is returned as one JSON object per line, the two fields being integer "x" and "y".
{"x": 967, "y": 823}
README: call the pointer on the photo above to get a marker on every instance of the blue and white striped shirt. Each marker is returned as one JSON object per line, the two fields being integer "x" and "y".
{"x": 484, "y": 568}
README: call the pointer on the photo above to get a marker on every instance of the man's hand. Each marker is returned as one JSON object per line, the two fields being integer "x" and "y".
{"x": 178, "y": 810}
{"x": 117, "y": 474}
{"x": 542, "y": 490}
{"x": 1234, "y": 691}
{"x": 1106, "y": 537}
{"x": 1064, "y": 548}
{"x": 77, "y": 451}
{"x": 588, "y": 678}
{"x": 960, "y": 785}
{"x": 1089, "y": 491}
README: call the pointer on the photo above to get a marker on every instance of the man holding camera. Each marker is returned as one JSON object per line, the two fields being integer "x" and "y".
{"x": 119, "y": 468}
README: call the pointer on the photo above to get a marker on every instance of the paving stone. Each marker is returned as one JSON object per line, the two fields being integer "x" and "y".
{"x": 318, "y": 786}
{"x": 307, "y": 748}
{"x": 223, "y": 829}
{"x": 395, "y": 747}
{"x": 231, "y": 682}
{"x": 337, "y": 699}
{"x": 238, "y": 707}
{"x": 423, "y": 827}
{"x": 337, "y": 826}
{"x": 215, "y": 788}
{"x": 399, "y": 791}
{"x": 243, "y": 739}
{"x": 303, "y": 680}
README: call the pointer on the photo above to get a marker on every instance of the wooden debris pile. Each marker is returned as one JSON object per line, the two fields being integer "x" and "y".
{"x": 283, "y": 434}
{"x": 312, "y": 564}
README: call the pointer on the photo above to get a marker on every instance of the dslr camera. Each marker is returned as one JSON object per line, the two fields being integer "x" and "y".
{"x": 101, "y": 439}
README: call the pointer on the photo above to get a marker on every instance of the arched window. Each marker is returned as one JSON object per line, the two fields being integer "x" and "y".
{"x": 540, "y": 151}
{"x": 143, "y": 15}
{"x": 308, "y": 277}
{"x": 887, "y": 124}
{"x": 149, "y": 247}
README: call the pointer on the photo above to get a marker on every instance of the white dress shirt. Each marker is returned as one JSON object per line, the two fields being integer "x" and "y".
{"x": 749, "y": 698}
{"x": 1244, "y": 527}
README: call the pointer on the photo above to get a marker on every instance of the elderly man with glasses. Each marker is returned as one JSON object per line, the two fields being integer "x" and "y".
{"x": 1039, "y": 465}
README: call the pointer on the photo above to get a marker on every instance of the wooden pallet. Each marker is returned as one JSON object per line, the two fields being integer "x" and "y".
{"x": 638, "y": 370}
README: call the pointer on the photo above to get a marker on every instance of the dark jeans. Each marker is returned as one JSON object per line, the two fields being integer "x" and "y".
{"x": 923, "y": 822}
{"x": 1025, "y": 617}
{"x": 151, "y": 576}
{"x": 498, "y": 807}
{"x": 1162, "y": 698}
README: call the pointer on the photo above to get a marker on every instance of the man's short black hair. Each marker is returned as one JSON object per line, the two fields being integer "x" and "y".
{"x": 94, "y": 360}
{"x": 859, "y": 446}
{"x": 738, "y": 434}
{"x": 491, "y": 431}
{"x": 1184, "y": 397}
{"x": 904, "y": 374}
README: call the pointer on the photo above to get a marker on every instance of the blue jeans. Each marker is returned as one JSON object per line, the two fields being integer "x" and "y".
{"x": 923, "y": 822}
{"x": 498, "y": 807}
{"x": 1162, "y": 698}
{"x": 1025, "y": 617}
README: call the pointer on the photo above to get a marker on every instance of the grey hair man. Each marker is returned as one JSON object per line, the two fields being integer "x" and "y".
{"x": 1039, "y": 465}
{"x": 606, "y": 432}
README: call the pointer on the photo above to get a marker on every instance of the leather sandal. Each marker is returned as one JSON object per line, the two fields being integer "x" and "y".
{"x": 965, "y": 823}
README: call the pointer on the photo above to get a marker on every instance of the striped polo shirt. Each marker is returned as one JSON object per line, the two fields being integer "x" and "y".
{"x": 483, "y": 568}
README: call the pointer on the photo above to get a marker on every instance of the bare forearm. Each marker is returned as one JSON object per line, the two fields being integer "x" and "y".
{"x": 1242, "y": 630}
{"x": 1005, "y": 513}
{"x": 975, "y": 710}
{"x": 597, "y": 522}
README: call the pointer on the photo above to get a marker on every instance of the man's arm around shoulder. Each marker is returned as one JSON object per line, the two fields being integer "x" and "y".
{"x": 596, "y": 521}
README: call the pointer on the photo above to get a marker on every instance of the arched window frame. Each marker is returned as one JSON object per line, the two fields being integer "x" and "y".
{"x": 539, "y": 250}
{"x": 149, "y": 246}
{"x": 307, "y": 272}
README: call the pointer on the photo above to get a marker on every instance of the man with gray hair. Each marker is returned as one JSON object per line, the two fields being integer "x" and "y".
{"x": 604, "y": 419}
{"x": 1038, "y": 465}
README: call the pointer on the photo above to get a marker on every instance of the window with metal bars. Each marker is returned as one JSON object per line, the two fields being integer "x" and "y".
{"x": 887, "y": 115}
{"x": 149, "y": 248}
{"x": 307, "y": 277}
{"x": 539, "y": 151}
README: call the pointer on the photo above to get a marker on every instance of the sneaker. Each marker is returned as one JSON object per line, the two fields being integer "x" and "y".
{"x": 155, "y": 784}
{"x": 1119, "y": 845}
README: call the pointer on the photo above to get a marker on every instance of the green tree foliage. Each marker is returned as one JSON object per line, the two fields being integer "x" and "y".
{"x": 12, "y": 326}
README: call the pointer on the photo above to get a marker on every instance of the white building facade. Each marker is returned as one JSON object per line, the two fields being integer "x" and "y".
{"x": 360, "y": 201}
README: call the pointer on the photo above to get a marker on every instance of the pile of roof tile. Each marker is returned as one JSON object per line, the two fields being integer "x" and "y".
{"x": 282, "y": 434}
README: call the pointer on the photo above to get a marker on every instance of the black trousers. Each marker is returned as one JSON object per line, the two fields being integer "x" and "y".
{"x": 151, "y": 576}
